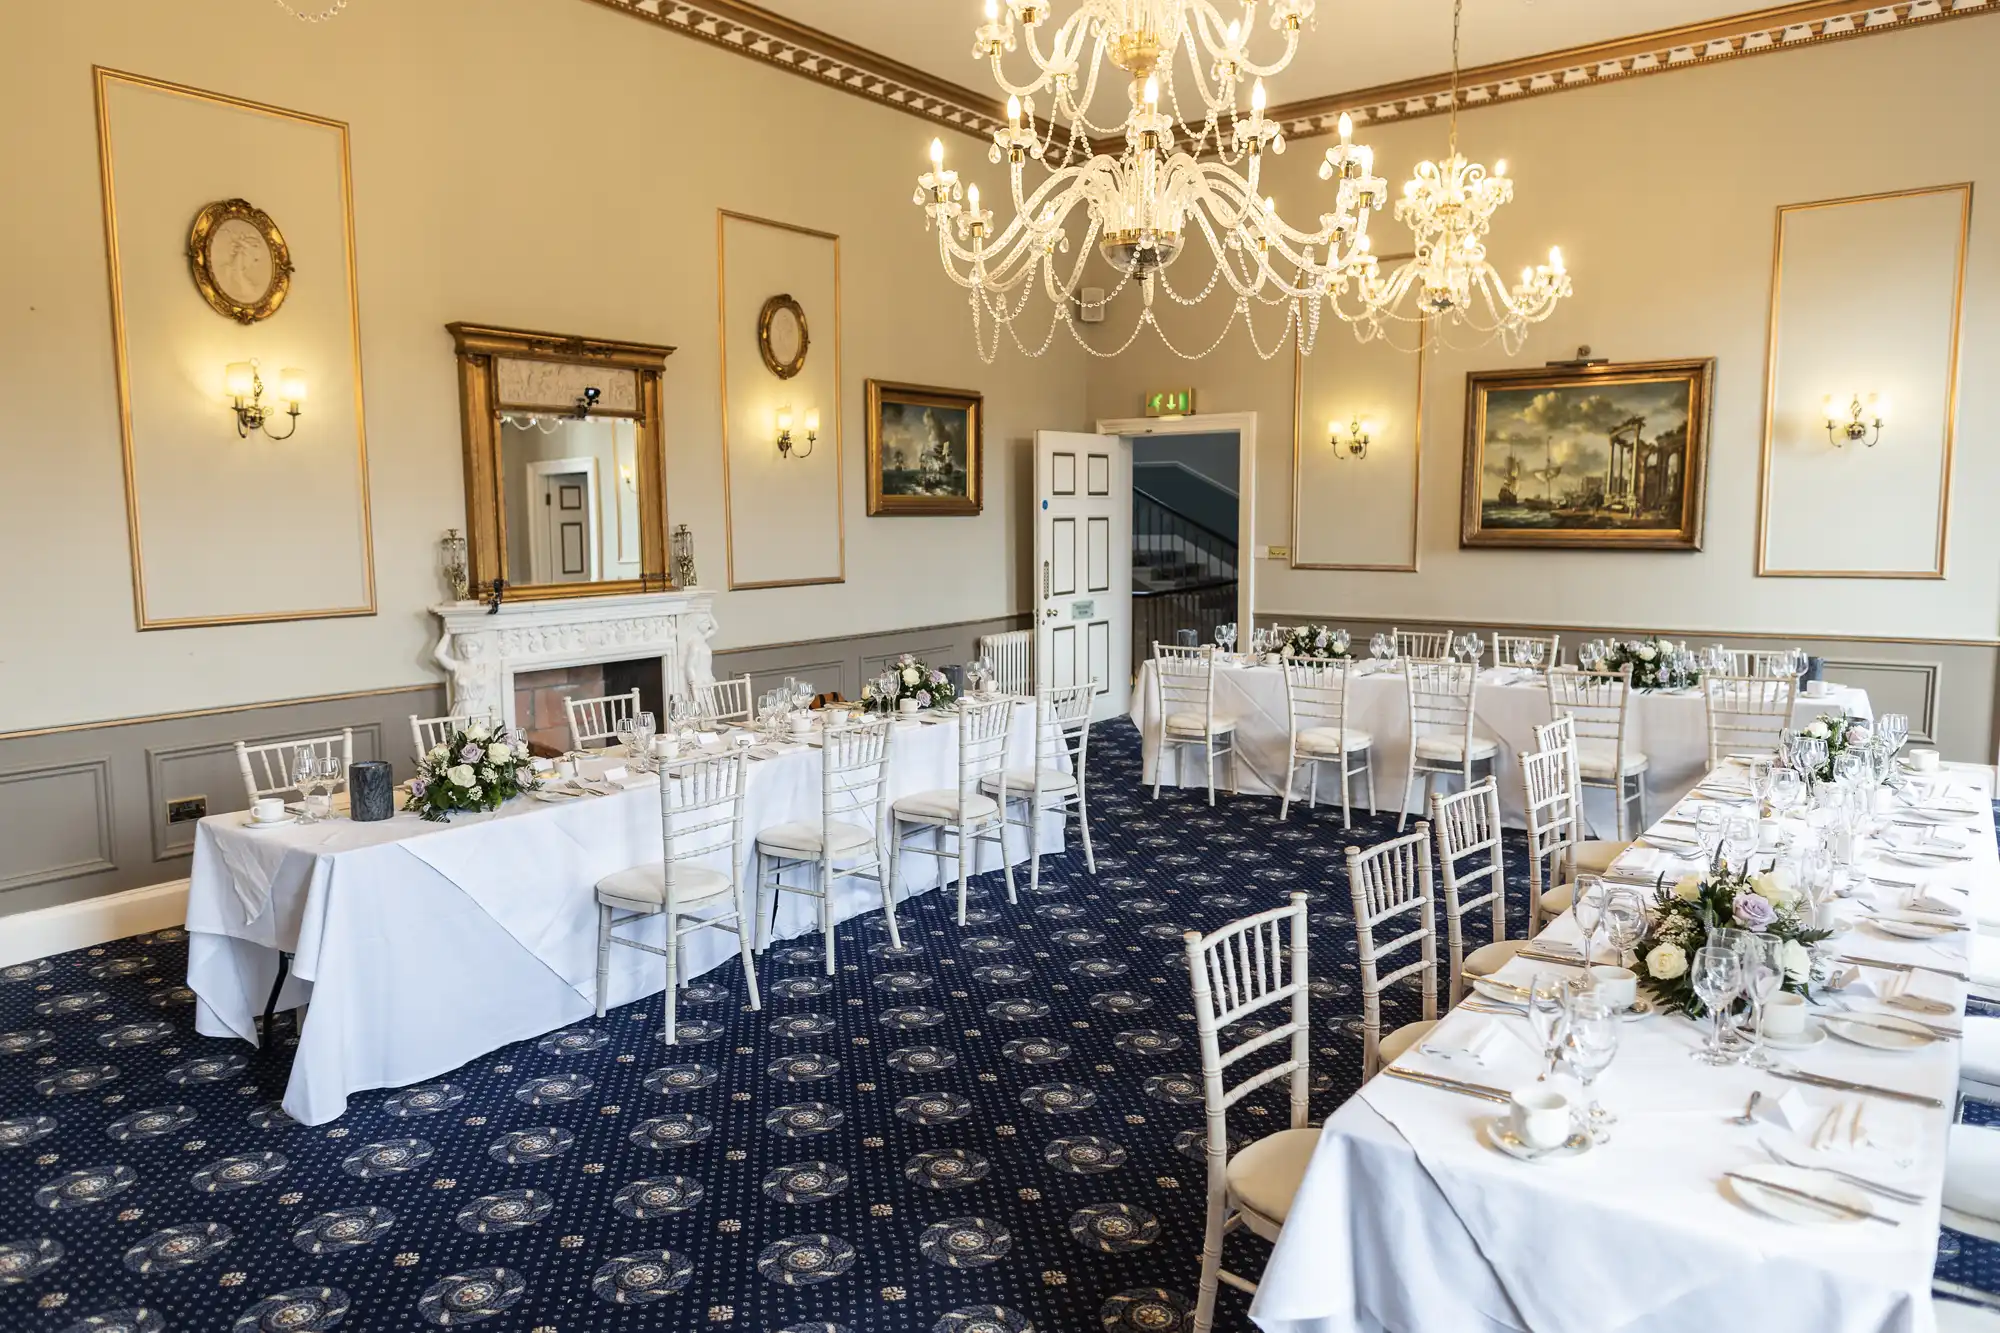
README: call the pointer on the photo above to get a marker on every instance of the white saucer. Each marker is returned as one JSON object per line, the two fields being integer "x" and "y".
{"x": 1812, "y": 1036}
{"x": 1880, "y": 1032}
{"x": 251, "y": 821}
{"x": 1498, "y": 1137}
{"x": 1784, "y": 1208}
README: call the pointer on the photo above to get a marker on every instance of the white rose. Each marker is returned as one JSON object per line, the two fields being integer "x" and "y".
{"x": 523, "y": 776}
{"x": 1816, "y": 730}
{"x": 459, "y": 775}
{"x": 477, "y": 733}
{"x": 1647, "y": 652}
{"x": 486, "y": 773}
{"x": 497, "y": 753}
{"x": 912, "y": 676}
{"x": 1687, "y": 888}
{"x": 438, "y": 752}
{"x": 1666, "y": 962}
{"x": 1798, "y": 961}
{"x": 1775, "y": 888}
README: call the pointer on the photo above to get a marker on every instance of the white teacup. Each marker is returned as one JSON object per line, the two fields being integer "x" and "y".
{"x": 802, "y": 724}
{"x": 1616, "y": 986}
{"x": 1818, "y": 689}
{"x": 1539, "y": 1116}
{"x": 1785, "y": 1015}
{"x": 1922, "y": 759}
{"x": 566, "y": 769}
{"x": 906, "y": 705}
{"x": 267, "y": 809}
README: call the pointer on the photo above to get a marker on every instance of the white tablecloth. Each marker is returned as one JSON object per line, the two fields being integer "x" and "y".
{"x": 1406, "y": 1222}
{"x": 1671, "y": 729}
{"x": 421, "y": 946}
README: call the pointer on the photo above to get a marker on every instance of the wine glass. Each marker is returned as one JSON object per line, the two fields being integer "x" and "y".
{"x": 802, "y": 694}
{"x": 1739, "y": 838}
{"x": 1624, "y": 921}
{"x": 1536, "y": 651}
{"x": 1381, "y": 647}
{"x": 1718, "y": 980}
{"x": 1587, "y": 906}
{"x": 1475, "y": 648}
{"x": 1708, "y": 830}
{"x": 1590, "y": 1043}
{"x": 332, "y": 775}
{"x": 1546, "y": 994}
{"x": 1763, "y": 972}
{"x": 645, "y": 726}
{"x": 1786, "y": 789}
{"x": 305, "y": 776}
{"x": 1760, "y": 779}
{"x": 1894, "y": 726}
{"x": 1341, "y": 641}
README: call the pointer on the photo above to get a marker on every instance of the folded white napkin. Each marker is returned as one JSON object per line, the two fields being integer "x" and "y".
{"x": 1471, "y": 1040}
{"x": 1856, "y": 1125}
{"x": 1791, "y": 1110}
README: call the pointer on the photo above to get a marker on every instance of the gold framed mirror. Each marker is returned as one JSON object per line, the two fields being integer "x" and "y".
{"x": 565, "y": 465}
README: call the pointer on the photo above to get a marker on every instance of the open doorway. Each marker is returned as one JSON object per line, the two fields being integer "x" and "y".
{"x": 1191, "y": 526}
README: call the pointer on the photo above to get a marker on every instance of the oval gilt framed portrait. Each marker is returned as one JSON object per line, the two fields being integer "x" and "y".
{"x": 239, "y": 260}
{"x": 782, "y": 336}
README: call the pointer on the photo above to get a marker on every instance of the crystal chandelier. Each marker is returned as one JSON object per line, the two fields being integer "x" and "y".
{"x": 1448, "y": 285}
{"x": 1164, "y": 179}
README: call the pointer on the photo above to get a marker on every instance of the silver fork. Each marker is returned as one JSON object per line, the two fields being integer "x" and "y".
{"x": 1889, "y": 1192}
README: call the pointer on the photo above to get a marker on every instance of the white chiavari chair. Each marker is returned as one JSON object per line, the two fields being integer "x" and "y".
{"x": 1592, "y": 856}
{"x": 427, "y": 733}
{"x": 1184, "y": 697}
{"x": 1391, "y": 883}
{"x": 1599, "y": 706}
{"x": 846, "y": 841}
{"x": 1056, "y": 782}
{"x": 1012, "y": 654}
{"x": 266, "y": 766}
{"x": 1426, "y": 644}
{"x": 1746, "y": 714}
{"x": 724, "y": 701}
{"x": 1441, "y": 714}
{"x": 1507, "y": 648}
{"x": 1757, "y": 662}
{"x": 1237, "y": 972}
{"x": 1467, "y": 828}
{"x": 1316, "y": 714}
{"x": 963, "y": 812}
{"x": 1551, "y": 810}
{"x": 701, "y": 818}
{"x": 597, "y": 719}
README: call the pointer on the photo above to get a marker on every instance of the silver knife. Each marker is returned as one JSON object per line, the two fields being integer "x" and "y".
{"x": 1804, "y": 1196}
{"x": 1479, "y": 1090}
{"x": 1843, "y": 1085}
{"x": 1904, "y": 967}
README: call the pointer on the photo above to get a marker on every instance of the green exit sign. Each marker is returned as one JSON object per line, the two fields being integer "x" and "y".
{"x": 1170, "y": 403}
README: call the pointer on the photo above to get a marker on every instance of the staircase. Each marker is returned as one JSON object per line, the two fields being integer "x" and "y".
{"x": 1183, "y": 576}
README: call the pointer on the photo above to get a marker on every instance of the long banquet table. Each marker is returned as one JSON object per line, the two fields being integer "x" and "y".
{"x": 421, "y": 946}
{"x": 1407, "y": 1222}
{"x": 1669, "y": 726}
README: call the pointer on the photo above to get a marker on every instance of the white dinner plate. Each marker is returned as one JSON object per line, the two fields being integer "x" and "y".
{"x": 1784, "y": 1208}
{"x": 1500, "y": 991}
{"x": 1881, "y": 1032}
{"x": 250, "y": 822}
{"x": 1810, "y": 1036}
{"x": 1500, "y": 1138}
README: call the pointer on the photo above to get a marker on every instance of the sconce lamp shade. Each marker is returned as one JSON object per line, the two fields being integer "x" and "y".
{"x": 239, "y": 378}
{"x": 292, "y": 385}
{"x": 812, "y": 421}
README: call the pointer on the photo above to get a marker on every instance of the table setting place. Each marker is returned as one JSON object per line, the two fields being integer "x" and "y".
{"x": 1746, "y": 1029}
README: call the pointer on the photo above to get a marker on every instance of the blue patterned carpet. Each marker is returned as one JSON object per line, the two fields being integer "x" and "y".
{"x": 996, "y": 1133}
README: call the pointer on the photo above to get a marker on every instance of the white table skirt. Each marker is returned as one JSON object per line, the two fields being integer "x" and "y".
{"x": 421, "y": 946}
{"x": 1405, "y": 1222}
{"x": 1670, "y": 729}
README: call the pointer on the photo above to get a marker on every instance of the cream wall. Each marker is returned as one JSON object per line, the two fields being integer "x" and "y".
{"x": 1663, "y": 193}
{"x": 590, "y": 213}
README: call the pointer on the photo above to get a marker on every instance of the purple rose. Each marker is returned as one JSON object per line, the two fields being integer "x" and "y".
{"x": 1752, "y": 912}
{"x": 471, "y": 754}
{"x": 417, "y": 786}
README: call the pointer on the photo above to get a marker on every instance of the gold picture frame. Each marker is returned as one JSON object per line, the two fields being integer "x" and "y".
{"x": 926, "y": 451}
{"x": 784, "y": 367}
{"x": 253, "y": 275}
{"x": 1604, "y": 484}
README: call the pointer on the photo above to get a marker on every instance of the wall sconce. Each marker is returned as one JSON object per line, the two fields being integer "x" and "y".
{"x": 587, "y": 400}
{"x": 1356, "y": 444}
{"x": 785, "y": 433}
{"x": 243, "y": 382}
{"x": 1856, "y": 421}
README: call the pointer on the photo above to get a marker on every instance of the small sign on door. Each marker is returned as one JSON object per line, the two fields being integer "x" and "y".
{"x": 1083, "y": 610}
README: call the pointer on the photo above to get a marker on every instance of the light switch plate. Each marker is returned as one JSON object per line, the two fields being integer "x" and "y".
{"x": 186, "y": 809}
{"x": 1278, "y": 552}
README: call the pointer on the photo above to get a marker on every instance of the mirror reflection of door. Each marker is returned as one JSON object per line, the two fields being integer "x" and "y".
{"x": 563, "y": 546}
{"x": 572, "y": 500}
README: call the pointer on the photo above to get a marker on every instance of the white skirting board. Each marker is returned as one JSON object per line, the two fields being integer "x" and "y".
{"x": 80, "y": 925}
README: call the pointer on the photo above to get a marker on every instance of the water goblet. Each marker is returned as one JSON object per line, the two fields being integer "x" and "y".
{"x": 1624, "y": 922}
{"x": 332, "y": 775}
{"x": 1380, "y": 647}
{"x": 1717, "y": 979}
{"x": 1590, "y": 1043}
{"x": 1786, "y": 789}
{"x": 1546, "y": 995}
{"x": 1739, "y": 839}
{"x": 1895, "y": 726}
{"x": 1708, "y": 820}
{"x": 1763, "y": 958}
{"x": 1475, "y": 648}
{"x": 645, "y": 727}
{"x": 1587, "y": 906}
{"x": 1341, "y": 642}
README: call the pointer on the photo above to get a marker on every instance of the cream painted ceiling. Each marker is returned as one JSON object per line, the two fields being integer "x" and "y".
{"x": 1356, "y": 43}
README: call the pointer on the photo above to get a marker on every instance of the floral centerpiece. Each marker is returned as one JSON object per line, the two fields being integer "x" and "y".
{"x": 1833, "y": 728}
{"x": 1648, "y": 659}
{"x": 908, "y": 678}
{"x": 1685, "y": 911}
{"x": 474, "y": 768}
{"x": 1313, "y": 641}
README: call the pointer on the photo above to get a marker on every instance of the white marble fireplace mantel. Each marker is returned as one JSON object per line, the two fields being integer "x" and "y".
{"x": 482, "y": 651}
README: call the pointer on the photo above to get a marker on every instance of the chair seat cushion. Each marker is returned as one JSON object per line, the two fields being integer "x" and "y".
{"x": 803, "y": 837}
{"x": 1452, "y": 748}
{"x": 1972, "y": 1176}
{"x": 644, "y": 888}
{"x": 1979, "y": 1053}
{"x": 1393, "y": 1044}
{"x": 1599, "y": 759}
{"x": 1326, "y": 740}
{"x": 1264, "y": 1176}
{"x": 1595, "y": 856}
{"x": 1490, "y": 958}
{"x": 1556, "y": 901}
{"x": 1190, "y": 724}
{"x": 941, "y": 806}
{"x": 1021, "y": 781}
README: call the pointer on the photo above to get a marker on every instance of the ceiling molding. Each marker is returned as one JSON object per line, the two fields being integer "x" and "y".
{"x": 809, "y": 53}
{"x": 736, "y": 25}
{"x": 1779, "y": 28}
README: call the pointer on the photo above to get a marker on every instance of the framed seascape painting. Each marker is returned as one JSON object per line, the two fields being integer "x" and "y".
{"x": 1606, "y": 457}
{"x": 925, "y": 449}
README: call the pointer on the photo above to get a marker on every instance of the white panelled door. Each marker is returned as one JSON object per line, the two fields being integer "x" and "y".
{"x": 1083, "y": 565}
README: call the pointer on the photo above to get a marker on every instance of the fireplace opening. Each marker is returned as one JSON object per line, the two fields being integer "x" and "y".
{"x": 540, "y": 709}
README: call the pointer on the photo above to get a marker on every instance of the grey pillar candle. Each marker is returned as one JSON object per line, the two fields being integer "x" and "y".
{"x": 371, "y": 791}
